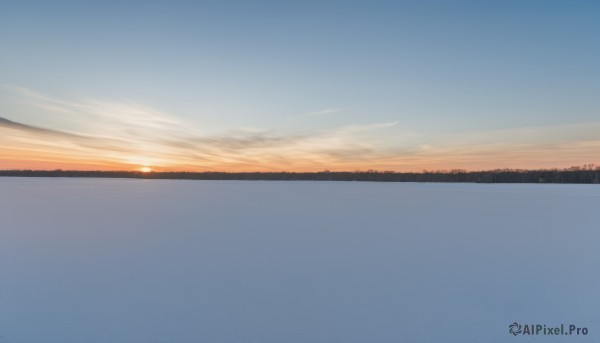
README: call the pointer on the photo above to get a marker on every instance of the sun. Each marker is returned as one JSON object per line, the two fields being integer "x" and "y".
{"x": 145, "y": 169}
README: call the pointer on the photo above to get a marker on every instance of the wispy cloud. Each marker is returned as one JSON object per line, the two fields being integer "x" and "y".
{"x": 321, "y": 112}
{"x": 128, "y": 136}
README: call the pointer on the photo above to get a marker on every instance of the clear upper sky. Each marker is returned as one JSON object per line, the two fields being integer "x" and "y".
{"x": 299, "y": 85}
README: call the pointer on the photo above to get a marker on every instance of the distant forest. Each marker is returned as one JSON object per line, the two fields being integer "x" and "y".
{"x": 586, "y": 174}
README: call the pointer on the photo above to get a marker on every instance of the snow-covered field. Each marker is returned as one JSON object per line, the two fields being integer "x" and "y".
{"x": 148, "y": 261}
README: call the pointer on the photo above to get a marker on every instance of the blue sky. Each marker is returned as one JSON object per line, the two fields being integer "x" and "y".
{"x": 435, "y": 74}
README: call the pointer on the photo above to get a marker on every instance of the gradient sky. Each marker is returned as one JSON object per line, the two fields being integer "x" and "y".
{"x": 274, "y": 85}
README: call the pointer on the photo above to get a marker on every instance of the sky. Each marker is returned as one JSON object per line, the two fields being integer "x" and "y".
{"x": 299, "y": 85}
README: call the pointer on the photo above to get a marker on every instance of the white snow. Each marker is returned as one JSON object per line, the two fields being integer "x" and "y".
{"x": 140, "y": 261}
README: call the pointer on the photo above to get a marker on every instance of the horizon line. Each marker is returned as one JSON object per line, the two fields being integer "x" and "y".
{"x": 584, "y": 167}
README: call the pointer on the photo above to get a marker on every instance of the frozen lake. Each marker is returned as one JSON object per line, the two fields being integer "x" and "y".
{"x": 148, "y": 261}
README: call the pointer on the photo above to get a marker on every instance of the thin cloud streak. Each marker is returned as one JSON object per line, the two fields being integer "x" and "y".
{"x": 322, "y": 112}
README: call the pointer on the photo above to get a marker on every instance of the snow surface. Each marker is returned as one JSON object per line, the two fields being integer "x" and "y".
{"x": 112, "y": 260}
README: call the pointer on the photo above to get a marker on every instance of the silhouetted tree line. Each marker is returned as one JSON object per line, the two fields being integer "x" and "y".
{"x": 586, "y": 174}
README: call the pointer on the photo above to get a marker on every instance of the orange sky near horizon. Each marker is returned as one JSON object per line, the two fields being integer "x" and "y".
{"x": 47, "y": 151}
{"x": 114, "y": 136}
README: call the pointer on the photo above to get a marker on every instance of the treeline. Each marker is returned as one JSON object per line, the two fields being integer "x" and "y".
{"x": 588, "y": 174}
